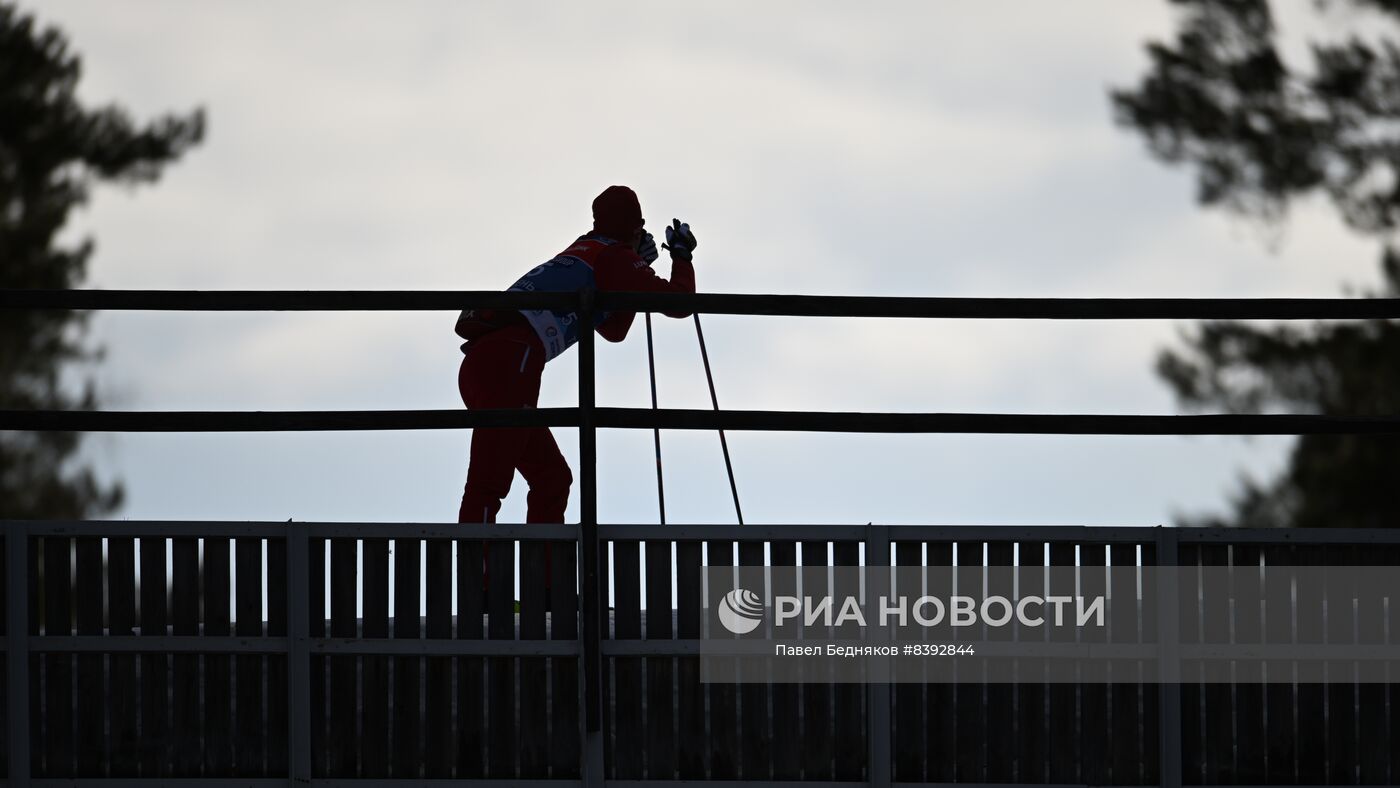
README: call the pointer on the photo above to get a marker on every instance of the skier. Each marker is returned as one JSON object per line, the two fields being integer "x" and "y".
{"x": 505, "y": 351}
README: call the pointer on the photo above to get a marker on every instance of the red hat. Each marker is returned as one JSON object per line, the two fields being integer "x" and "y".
{"x": 616, "y": 212}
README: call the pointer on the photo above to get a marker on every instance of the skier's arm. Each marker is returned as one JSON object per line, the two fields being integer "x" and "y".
{"x": 621, "y": 269}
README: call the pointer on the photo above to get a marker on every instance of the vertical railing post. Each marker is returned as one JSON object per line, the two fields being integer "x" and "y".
{"x": 588, "y": 539}
{"x": 17, "y": 650}
{"x": 1168, "y": 663}
{"x": 879, "y": 687}
{"x": 298, "y": 655}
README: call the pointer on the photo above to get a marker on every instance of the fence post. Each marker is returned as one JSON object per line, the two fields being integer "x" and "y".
{"x": 879, "y": 687}
{"x": 298, "y": 656}
{"x": 588, "y": 542}
{"x": 17, "y": 648}
{"x": 1168, "y": 664}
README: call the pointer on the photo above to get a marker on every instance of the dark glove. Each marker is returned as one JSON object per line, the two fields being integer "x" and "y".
{"x": 679, "y": 240}
{"x": 646, "y": 247}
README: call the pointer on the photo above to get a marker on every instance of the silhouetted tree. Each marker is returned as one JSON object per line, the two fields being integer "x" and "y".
{"x": 52, "y": 150}
{"x": 1259, "y": 133}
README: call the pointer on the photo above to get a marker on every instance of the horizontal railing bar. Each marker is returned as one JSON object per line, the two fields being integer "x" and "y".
{"x": 1079, "y": 534}
{"x": 156, "y": 528}
{"x": 223, "y": 644}
{"x": 267, "y": 782}
{"x": 1291, "y": 535}
{"x": 691, "y": 532}
{"x": 717, "y": 303}
{"x": 1006, "y": 308}
{"x": 474, "y": 531}
{"x": 845, "y": 532}
{"x": 445, "y": 647}
{"x": 158, "y": 782}
{"x": 691, "y": 419}
{"x": 448, "y": 647}
{"x": 281, "y": 421}
{"x": 443, "y": 782}
{"x": 153, "y": 644}
{"x": 285, "y": 300}
{"x": 996, "y": 423}
{"x": 828, "y": 784}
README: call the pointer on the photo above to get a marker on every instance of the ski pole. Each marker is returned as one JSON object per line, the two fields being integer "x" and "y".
{"x": 723, "y": 444}
{"x": 656, "y": 431}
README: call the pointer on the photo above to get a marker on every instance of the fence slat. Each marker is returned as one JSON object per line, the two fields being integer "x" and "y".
{"x": 5, "y": 580}
{"x": 58, "y": 668}
{"x": 1031, "y": 733}
{"x": 501, "y": 732}
{"x": 756, "y": 759}
{"x": 627, "y": 671}
{"x": 471, "y": 671}
{"x": 121, "y": 613}
{"x": 187, "y": 721}
{"x": 1094, "y": 730}
{"x": 566, "y": 728}
{"x": 342, "y": 747}
{"x": 250, "y": 747}
{"x": 787, "y": 724}
{"x": 691, "y": 744}
{"x": 1342, "y": 755}
{"x": 1125, "y": 718}
{"x": 1151, "y": 691}
{"x": 91, "y": 742}
{"x": 1312, "y": 728}
{"x": 1251, "y": 726}
{"x": 34, "y": 564}
{"x": 408, "y": 740}
{"x": 316, "y": 626}
{"x": 1392, "y": 558}
{"x": 907, "y": 728}
{"x": 374, "y": 722}
{"x": 660, "y": 670}
{"x": 218, "y": 700}
{"x": 817, "y": 708}
{"x": 534, "y": 585}
{"x": 1065, "y": 741}
{"x": 437, "y": 715}
{"x": 1280, "y": 731}
{"x": 604, "y": 624}
{"x": 941, "y": 728}
{"x": 1001, "y": 721}
{"x": 278, "y": 742}
{"x": 971, "y": 761}
{"x": 850, "y": 719}
{"x": 155, "y": 709}
{"x": 1215, "y": 629}
{"x": 1193, "y": 751}
{"x": 1376, "y": 758}
{"x": 724, "y": 704}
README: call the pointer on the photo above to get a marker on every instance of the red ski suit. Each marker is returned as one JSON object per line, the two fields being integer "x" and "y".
{"x": 501, "y": 369}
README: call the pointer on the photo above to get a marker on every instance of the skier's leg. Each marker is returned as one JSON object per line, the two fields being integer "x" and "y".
{"x": 492, "y": 468}
{"x": 547, "y": 472}
{"x": 493, "y": 375}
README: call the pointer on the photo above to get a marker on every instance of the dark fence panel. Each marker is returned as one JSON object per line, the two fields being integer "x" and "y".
{"x": 219, "y": 711}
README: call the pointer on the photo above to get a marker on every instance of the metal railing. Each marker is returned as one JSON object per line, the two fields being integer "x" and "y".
{"x": 588, "y": 417}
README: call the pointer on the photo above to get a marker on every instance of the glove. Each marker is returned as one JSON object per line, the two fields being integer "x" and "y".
{"x": 646, "y": 247}
{"x": 679, "y": 240}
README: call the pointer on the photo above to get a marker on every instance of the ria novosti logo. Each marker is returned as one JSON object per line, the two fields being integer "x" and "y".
{"x": 740, "y": 611}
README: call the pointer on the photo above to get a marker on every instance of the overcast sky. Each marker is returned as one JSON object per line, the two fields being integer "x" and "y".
{"x": 923, "y": 148}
